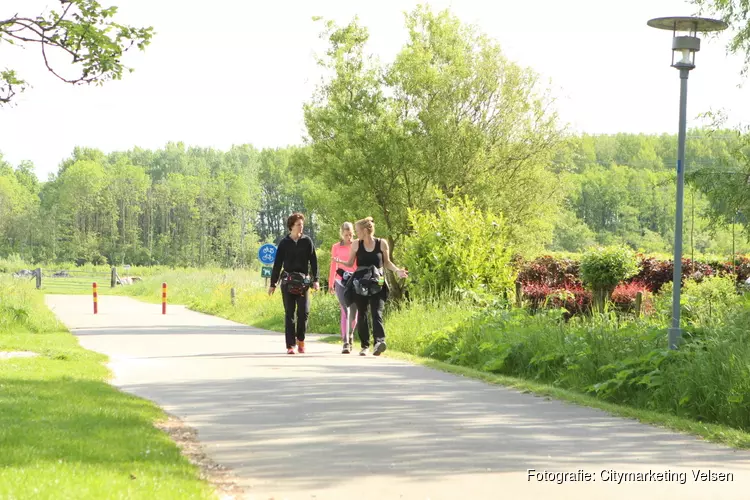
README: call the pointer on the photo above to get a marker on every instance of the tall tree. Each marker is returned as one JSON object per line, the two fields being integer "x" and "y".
{"x": 451, "y": 113}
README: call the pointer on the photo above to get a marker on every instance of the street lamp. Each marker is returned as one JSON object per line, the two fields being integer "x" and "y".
{"x": 684, "y": 48}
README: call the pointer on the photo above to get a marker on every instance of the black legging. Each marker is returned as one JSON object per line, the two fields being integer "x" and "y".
{"x": 376, "y": 304}
{"x": 302, "y": 304}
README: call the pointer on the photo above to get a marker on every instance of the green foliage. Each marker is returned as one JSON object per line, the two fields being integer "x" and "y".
{"x": 704, "y": 304}
{"x": 603, "y": 268}
{"x": 457, "y": 248}
{"x": 606, "y": 267}
{"x": 176, "y": 206}
{"x": 22, "y": 309}
{"x": 572, "y": 234}
{"x": 622, "y": 187}
{"x": 80, "y": 29}
{"x": 451, "y": 113}
{"x": 737, "y": 15}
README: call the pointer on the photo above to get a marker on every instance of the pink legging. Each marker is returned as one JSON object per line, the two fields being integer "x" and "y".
{"x": 348, "y": 314}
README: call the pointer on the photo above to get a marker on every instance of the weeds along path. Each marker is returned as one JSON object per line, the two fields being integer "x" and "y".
{"x": 331, "y": 426}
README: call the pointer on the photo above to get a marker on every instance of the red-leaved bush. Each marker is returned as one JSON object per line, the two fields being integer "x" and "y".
{"x": 551, "y": 282}
{"x": 548, "y": 271}
{"x": 574, "y": 298}
{"x": 625, "y": 294}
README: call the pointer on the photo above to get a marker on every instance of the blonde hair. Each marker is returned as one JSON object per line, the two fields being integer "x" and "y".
{"x": 346, "y": 226}
{"x": 367, "y": 225}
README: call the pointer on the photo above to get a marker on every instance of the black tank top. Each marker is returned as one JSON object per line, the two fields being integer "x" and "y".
{"x": 367, "y": 259}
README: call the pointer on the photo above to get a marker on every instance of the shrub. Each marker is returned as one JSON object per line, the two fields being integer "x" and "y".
{"x": 624, "y": 296}
{"x": 457, "y": 248}
{"x": 603, "y": 269}
{"x": 547, "y": 270}
{"x": 703, "y": 304}
{"x": 574, "y": 298}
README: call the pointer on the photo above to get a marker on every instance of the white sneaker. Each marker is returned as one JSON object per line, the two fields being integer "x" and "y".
{"x": 363, "y": 352}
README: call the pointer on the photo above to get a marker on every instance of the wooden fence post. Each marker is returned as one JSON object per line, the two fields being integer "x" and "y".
{"x": 113, "y": 279}
{"x": 233, "y": 296}
{"x": 38, "y": 278}
{"x": 519, "y": 295}
{"x": 638, "y": 302}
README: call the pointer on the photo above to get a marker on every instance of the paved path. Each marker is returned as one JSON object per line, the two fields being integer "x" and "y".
{"x": 330, "y": 426}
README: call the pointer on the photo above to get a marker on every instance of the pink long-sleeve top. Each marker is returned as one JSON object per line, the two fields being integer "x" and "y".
{"x": 342, "y": 252}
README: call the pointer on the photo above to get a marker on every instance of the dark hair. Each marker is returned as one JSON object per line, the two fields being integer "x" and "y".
{"x": 292, "y": 220}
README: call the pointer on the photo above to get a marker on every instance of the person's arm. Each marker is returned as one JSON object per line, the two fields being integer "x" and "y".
{"x": 332, "y": 270}
{"x": 352, "y": 255}
{"x": 277, "y": 263}
{"x": 314, "y": 266}
{"x": 387, "y": 260}
{"x": 314, "y": 262}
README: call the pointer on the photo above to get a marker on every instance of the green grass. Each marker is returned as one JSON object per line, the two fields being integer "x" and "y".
{"x": 65, "y": 433}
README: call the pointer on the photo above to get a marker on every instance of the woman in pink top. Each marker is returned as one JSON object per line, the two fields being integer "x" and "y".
{"x": 341, "y": 250}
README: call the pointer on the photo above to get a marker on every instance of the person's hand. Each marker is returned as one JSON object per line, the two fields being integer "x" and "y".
{"x": 316, "y": 286}
{"x": 403, "y": 273}
{"x": 271, "y": 289}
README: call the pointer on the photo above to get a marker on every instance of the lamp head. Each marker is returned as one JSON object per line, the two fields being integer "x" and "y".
{"x": 686, "y": 45}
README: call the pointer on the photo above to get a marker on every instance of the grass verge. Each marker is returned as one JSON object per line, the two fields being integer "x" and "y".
{"x": 64, "y": 431}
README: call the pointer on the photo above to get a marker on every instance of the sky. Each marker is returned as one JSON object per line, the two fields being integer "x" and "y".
{"x": 238, "y": 72}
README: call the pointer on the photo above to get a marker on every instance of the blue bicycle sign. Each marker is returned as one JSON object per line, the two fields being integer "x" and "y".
{"x": 267, "y": 253}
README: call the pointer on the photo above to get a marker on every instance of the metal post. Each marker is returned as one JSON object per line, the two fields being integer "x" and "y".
{"x": 96, "y": 300}
{"x": 675, "y": 333}
{"x": 164, "y": 298}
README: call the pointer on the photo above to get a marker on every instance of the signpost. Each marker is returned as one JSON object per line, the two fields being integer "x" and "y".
{"x": 266, "y": 255}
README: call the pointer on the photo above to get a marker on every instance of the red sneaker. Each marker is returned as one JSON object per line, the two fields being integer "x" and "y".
{"x": 301, "y": 346}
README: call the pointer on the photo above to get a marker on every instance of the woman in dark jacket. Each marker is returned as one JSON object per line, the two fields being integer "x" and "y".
{"x": 296, "y": 254}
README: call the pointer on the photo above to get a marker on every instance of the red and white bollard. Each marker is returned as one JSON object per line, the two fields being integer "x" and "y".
{"x": 164, "y": 298}
{"x": 96, "y": 300}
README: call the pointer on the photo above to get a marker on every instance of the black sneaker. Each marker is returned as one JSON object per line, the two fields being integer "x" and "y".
{"x": 346, "y": 349}
{"x": 380, "y": 348}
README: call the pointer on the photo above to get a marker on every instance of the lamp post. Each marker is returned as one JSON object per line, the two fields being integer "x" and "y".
{"x": 684, "y": 47}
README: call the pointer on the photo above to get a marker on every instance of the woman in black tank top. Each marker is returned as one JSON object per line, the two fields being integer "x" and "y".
{"x": 366, "y": 258}
{"x": 370, "y": 252}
